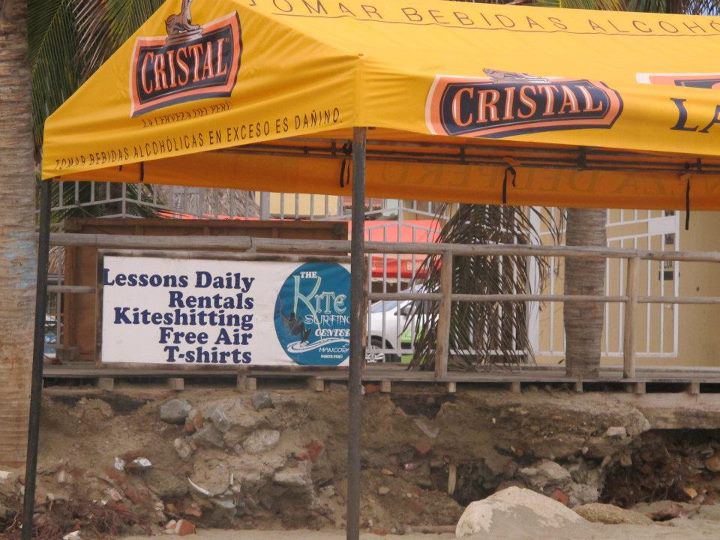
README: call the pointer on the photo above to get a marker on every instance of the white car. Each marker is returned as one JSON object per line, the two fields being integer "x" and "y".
{"x": 389, "y": 331}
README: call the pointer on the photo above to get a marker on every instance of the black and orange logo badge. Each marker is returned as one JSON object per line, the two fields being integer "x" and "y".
{"x": 506, "y": 104}
{"x": 192, "y": 62}
{"x": 710, "y": 81}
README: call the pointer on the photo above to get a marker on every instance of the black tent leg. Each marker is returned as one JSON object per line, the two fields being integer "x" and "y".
{"x": 37, "y": 366}
{"x": 357, "y": 347}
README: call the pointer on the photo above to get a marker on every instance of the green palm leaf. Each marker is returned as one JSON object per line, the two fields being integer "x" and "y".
{"x": 104, "y": 25}
{"x": 483, "y": 333}
{"x": 70, "y": 39}
{"x": 689, "y": 7}
{"x": 52, "y": 39}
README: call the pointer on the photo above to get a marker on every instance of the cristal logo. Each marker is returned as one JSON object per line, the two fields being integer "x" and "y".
{"x": 192, "y": 62}
{"x": 506, "y": 104}
{"x": 312, "y": 314}
{"x": 710, "y": 81}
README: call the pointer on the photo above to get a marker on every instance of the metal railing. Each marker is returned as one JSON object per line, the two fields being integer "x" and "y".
{"x": 199, "y": 245}
{"x": 658, "y": 338}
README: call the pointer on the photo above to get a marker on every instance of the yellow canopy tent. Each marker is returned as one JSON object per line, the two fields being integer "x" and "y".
{"x": 589, "y": 108}
{"x": 447, "y": 101}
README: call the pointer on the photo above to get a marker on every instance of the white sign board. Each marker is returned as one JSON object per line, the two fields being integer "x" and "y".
{"x": 224, "y": 313}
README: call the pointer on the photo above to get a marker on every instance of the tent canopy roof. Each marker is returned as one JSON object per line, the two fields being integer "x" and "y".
{"x": 464, "y": 101}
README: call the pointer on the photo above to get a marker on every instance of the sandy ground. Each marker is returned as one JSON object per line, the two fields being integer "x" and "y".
{"x": 680, "y": 529}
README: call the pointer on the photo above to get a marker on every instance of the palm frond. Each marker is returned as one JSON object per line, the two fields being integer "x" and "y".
{"x": 52, "y": 40}
{"x": 70, "y": 39}
{"x": 688, "y": 7}
{"x": 484, "y": 333}
{"x": 699, "y": 7}
{"x": 104, "y": 25}
{"x": 615, "y": 5}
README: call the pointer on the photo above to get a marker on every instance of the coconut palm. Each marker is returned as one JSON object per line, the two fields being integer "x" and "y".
{"x": 583, "y": 321}
{"x": 17, "y": 231}
{"x": 45, "y": 54}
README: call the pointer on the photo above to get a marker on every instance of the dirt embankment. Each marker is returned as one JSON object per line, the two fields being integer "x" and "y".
{"x": 131, "y": 462}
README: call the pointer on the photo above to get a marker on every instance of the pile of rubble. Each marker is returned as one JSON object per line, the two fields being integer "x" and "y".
{"x": 682, "y": 466}
{"x": 241, "y": 463}
{"x": 277, "y": 459}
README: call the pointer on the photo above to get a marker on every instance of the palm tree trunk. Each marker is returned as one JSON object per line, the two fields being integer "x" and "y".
{"x": 584, "y": 320}
{"x": 18, "y": 249}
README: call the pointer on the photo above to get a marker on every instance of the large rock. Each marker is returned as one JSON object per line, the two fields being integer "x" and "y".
{"x": 545, "y": 473}
{"x": 582, "y": 493}
{"x": 250, "y": 472}
{"x": 297, "y": 477}
{"x": 261, "y": 441}
{"x": 713, "y": 463}
{"x": 232, "y": 414}
{"x": 208, "y": 437}
{"x": 611, "y": 514}
{"x": 514, "y": 512}
{"x": 175, "y": 411}
{"x": 298, "y": 483}
{"x": 9, "y": 483}
{"x": 183, "y": 448}
{"x": 617, "y": 432}
{"x": 587, "y": 483}
{"x": 262, "y": 400}
{"x": 499, "y": 465}
{"x": 166, "y": 484}
{"x": 211, "y": 477}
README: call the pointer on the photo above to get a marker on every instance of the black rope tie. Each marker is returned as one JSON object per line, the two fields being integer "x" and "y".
{"x": 687, "y": 177}
{"x": 345, "y": 168}
{"x": 142, "y": 172}
{"x": 511, "y": 174}
{"x": 582, "y": 159}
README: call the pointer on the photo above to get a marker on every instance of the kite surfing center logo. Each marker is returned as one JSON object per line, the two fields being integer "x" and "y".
{"x": 191, "y": 62}
{"x": 312, "y": 314}
{"x": 504, "y": 104}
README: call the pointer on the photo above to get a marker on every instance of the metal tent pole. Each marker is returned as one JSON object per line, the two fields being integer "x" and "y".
{"x": 357, "y": 347}
{"x": 37, "y": 365}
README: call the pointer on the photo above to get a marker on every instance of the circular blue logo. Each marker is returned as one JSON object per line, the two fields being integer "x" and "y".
{"x": 312, "y": 314}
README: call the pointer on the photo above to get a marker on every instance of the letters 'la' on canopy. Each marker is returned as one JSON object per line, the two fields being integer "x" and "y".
{"x": 465, "y": 102}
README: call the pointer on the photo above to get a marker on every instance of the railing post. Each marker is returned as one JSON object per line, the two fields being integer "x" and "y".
{"x": 631, "y": 291}
{"x": 442, "y": 349}
{"x": 264, "y": 205}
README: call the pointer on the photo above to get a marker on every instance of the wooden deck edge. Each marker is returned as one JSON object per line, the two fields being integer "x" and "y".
{"x": 689, "y": 381}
